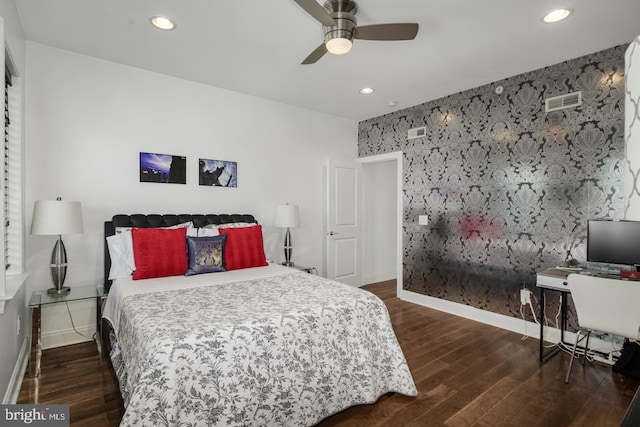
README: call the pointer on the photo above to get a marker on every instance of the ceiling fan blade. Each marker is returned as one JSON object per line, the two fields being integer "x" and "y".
{"x": 315, "y": 55}
{"x": 318, "y": 12}
{"x": 386, "y": 32}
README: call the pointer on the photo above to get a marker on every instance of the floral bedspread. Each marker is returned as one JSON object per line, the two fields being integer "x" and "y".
{"x": 287, "y": 350}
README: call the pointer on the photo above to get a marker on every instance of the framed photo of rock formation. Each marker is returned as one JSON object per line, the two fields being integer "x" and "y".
{"x": 165, "y": 168}
{"x": 218, "y": 173}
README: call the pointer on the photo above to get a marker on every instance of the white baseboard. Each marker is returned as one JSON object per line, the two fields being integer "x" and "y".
{"x": 15, "y": 382}
{"x": 512, "y": 324}
{"x": 67, "y": 337}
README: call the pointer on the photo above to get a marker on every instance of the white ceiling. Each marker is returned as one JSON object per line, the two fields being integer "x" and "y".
{"x": 256, "y": 46}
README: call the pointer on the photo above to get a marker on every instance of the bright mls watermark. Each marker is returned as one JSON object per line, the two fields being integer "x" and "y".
{"x": 34, "y": 415}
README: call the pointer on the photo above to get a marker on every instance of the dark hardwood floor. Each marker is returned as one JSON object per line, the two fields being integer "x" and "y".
{"x": 467, "y": 373}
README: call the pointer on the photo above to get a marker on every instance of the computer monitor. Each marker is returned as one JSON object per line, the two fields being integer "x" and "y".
{"x": 613, "y": 242}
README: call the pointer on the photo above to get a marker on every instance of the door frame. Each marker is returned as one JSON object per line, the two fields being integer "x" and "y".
{"x": 398, "y": 158}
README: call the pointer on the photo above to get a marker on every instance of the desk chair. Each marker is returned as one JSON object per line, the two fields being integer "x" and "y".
{"x": 605, "y": 305}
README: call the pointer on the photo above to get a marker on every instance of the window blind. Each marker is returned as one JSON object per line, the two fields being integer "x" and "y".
{"x": 7, "y": 190}
{"x": 12, "y": 178}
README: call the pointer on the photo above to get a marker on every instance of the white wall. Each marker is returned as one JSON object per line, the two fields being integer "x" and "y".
{"x": 380, "y": 221}
{"x": 87, "y": 121}
{"x": 11, "y": 341}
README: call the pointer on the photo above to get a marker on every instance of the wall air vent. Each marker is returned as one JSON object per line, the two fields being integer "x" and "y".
{"x": 417, "y": 132}
{"x": 563, "y": 101}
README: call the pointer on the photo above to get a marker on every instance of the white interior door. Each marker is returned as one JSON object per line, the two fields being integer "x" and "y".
{"x": 344, "y": 221}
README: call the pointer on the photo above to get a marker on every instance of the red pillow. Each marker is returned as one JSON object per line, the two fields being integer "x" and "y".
{"x": 159, "y": 252}
{"x": 244, "y": 247}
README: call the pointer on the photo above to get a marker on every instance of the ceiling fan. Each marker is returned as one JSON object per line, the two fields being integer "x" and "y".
{"x": 338, "y": 19}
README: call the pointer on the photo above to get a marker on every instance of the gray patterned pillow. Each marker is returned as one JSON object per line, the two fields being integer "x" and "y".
{"x": 206, "y": 254}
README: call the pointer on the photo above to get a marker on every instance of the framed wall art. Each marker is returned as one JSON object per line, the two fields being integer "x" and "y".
{"x": 165, "y": 168}
{"x": 218, "y": 173}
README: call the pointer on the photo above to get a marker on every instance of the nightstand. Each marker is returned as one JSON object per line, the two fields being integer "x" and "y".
{"x": 40, "y": 298}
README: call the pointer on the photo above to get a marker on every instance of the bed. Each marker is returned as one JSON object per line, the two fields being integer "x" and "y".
{"x": 261, "y": 345}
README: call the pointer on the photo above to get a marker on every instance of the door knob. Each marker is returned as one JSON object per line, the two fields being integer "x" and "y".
{"x": 331, "y": 233}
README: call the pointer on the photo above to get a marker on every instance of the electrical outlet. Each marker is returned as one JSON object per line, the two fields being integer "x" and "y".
{"x": 525, "y": 296}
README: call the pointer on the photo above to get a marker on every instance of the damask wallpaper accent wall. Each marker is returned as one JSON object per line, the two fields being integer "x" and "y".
{"x": 632, "y": 130}
{"x": 508, "y": 188}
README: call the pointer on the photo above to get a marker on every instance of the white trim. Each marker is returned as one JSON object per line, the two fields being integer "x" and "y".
{"x": 13, "y": 283}
{"x": 15, "y": 382}
{"x": 397, "y": 157}
{"x": 512, "y": 324}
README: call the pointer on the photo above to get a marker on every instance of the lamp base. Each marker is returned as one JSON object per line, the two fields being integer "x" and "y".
{"x": 288, "y": 264}
{"x": 62, "y": 292}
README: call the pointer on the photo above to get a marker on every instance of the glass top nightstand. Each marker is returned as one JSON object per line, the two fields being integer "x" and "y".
{"x": 40, "y": 298}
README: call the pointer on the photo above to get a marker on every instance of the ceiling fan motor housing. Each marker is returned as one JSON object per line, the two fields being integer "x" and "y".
{"x": 344, "y": 13}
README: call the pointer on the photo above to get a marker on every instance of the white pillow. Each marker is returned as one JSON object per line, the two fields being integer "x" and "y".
{"x": 207, "y": 232}
{"x": 121, "y": 253}
{"x": 120, "y": 246}
{"x": 232, "y": 225}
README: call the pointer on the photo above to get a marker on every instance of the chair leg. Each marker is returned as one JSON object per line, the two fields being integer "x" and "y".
{"x": 573, "y": 355}
{"x": 586, "y": 348}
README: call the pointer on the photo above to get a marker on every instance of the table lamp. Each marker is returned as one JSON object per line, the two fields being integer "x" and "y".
{"x": 287, "y": 216}
{"x": 57, "y": 217}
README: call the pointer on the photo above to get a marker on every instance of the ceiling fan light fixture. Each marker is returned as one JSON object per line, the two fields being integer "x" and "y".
{"x": 162, "y": 23}
{"x": 339, "y": 45}
{"x": 556, "y": 15}
{"x": 340, "y": 27}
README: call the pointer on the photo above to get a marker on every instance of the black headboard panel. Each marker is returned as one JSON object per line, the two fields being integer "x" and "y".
{"x": 158, "y": 220}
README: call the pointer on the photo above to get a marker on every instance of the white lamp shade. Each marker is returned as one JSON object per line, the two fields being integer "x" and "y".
{"x": 287, "y": 216}
{"x": 56, "y": 217}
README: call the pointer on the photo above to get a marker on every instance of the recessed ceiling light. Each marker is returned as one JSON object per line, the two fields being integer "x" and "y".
{"x": 366, "y": 90}
{"x": 162, "y": 23}
{"x": 556, "y": 15}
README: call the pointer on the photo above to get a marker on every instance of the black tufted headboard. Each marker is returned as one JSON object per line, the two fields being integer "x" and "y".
{"x": 157, "y": 220}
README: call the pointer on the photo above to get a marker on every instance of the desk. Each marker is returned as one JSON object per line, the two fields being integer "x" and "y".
{"x": 553, "y": 279}
{"x": 40, "y": 298}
